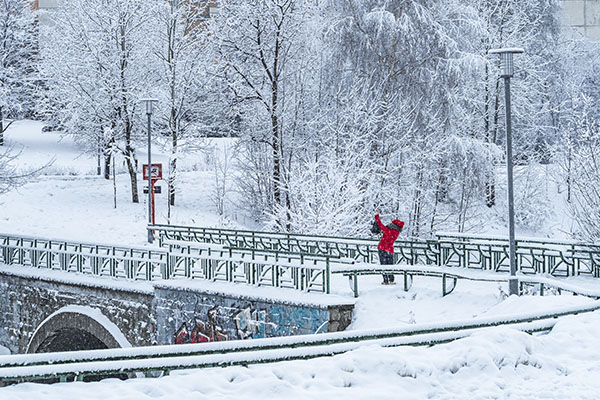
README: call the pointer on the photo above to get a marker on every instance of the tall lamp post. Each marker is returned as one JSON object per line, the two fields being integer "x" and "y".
{"x": 507, "y": 71}
{"x": 149, "y": 108}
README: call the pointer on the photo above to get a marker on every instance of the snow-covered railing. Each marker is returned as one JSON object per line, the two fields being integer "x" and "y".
{"x": 557, "y": 258}
{"x": 179, "y": 260}
{"x": 450, "y": 276}
{"x": 254, "y": 267}
{"x": 151, "y": 361}
{"x": 539, "y": 256}
{"x": 94, "y": 259}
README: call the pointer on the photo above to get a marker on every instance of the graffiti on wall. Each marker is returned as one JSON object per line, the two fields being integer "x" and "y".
{"x": 250, "y": 324}
{"x": 245, "y": 323}
{"x": 202, "y": 331}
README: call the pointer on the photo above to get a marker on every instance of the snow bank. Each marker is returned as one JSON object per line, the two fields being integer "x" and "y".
{"x": 496, "y": 363}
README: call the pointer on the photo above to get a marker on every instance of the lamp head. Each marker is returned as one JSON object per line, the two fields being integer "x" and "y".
{"x": 149, "y": 102}
{"x": 506, "y": 58}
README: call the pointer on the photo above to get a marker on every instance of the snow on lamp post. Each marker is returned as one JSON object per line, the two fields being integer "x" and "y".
{"x": 507, "y": 71}
{"x": 149, "y": 103}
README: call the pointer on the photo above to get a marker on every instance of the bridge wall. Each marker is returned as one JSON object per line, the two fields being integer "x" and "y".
{"x": 34, "y": 304}
{"x": 26, "y": 301}
{"x": 190, "y": 315}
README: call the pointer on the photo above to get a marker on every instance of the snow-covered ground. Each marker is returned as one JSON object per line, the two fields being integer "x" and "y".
{"x": 70, "y": 202}
{"x": 497, "y": 364}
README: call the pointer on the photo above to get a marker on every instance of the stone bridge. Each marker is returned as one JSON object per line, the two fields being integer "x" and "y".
{"x": 47, "y": 311}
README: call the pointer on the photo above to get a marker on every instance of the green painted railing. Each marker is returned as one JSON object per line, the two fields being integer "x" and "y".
{"x": 561, "y": 259}
{"x": 192, "y": 260}
{"x": 181, "y": 260}
{"x": 86, "y": 258}
{"x": 160, "y": 360}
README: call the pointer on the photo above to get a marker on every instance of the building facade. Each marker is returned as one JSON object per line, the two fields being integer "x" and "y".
{"x": 584, "y": 16}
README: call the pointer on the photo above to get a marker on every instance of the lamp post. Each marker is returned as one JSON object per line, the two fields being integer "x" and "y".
{"x": 507, "y": 71}
{"x": 149, "y": 106}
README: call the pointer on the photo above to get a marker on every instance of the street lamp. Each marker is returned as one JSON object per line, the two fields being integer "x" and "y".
{"x": 507, "y": 71}
{"x": 149, "y": 108}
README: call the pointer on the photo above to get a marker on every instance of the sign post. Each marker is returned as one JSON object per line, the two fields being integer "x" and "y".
{"x": 149, "y": 103}
{"x": 154, "y": 176}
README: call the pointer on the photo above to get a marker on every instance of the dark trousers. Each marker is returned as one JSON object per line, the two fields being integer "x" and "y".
{"x": 386, "y": 258}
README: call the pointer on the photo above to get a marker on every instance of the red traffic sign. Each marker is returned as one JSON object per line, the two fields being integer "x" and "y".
{"x": 156, "y": 172}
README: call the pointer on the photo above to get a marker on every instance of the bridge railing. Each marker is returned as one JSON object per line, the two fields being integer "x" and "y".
{"x": 180, "y": 259}
{"x": 557, "y": 258}
{"x": 360, "y": 249}
{"x": 87, "y": 258}
{"x": 199, "y": 260}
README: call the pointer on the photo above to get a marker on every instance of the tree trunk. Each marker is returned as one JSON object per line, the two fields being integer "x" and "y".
{"x": 276, "y": 139}
{"x": 569, "y": 158}
{"x": 1, "y": 127}
{"x": 133, "y": 178}
{"x": 124, "y": 114}
{"x": 114, "y": 175}
{"x": 276, "y": 161}
{"x": 131, "y": 162}
{"x": 107, "y": 157}
{"x": 441, "y": 194}
{"x": 415, "y": 217}
{"x": 173, "y": 166}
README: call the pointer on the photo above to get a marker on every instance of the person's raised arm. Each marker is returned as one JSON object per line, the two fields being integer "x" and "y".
{"x": 381, "y": 226}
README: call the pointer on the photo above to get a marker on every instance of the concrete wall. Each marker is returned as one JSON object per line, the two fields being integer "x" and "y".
{"x": 191, "y": 316}
{"x": 36, "y": 312}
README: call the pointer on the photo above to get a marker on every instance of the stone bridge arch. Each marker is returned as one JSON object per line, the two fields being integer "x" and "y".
{"x": 74, "y": 328}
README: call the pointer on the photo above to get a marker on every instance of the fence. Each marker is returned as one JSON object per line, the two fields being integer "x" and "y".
{"x": 181, "y": 260}
{"x": 300, "y": 262}
{"x": 93, "y": 259}
{"x": 560, "y": 259}
{"x": 250, "y": 266}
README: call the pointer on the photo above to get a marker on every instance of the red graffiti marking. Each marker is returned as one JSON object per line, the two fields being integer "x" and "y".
{"x": 202, "y": 332}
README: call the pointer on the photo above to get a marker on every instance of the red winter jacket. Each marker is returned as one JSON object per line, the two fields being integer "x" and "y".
{"x": 389, "y": 236}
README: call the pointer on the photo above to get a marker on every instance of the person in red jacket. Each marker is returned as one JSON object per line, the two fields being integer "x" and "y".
{"x": 386, "y": 245}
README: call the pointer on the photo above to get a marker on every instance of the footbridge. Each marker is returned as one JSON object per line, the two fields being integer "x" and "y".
{"x": 58, "y": 295}
{"x": 200, "y": 285}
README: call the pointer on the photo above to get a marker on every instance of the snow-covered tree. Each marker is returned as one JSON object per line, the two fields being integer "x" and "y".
{"x": 9, "y": 176}
{"x": 18, "y": 61}
{"x": 98, "y": 66}
{"x": 408, "y": 53}
{"x": 260, "y": 49}
{"x": 181, "y": 27}
{"x": 585, "y": 180}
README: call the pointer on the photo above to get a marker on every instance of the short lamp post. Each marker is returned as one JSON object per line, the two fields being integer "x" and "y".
{"x": 149, "y": 103}
{"x": 507, "y": 71}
